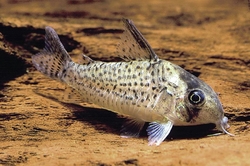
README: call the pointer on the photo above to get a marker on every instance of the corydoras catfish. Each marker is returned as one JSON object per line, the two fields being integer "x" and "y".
{"x": 142, "y": 86}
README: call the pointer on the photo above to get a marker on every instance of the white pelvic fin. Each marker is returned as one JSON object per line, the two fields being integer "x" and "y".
{"x": 157, "y": 132}
{"x": 131, "y": 128}
{"x": 133, "y": 45}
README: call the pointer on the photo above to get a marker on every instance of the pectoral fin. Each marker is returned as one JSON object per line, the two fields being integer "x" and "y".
{"x": 157, "y": 132}
{"x": 131, "y": 128}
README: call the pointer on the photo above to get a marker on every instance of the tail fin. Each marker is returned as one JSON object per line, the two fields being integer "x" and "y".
{"x": 53, "y": 60}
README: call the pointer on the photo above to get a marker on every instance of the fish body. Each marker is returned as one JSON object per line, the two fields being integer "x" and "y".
{"x": 143, "y": 87}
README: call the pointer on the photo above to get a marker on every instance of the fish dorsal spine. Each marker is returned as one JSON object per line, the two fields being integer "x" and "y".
{"x": 133, "y": 45}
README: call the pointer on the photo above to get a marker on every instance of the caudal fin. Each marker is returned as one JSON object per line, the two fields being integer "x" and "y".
{"x": 53, "y": 60}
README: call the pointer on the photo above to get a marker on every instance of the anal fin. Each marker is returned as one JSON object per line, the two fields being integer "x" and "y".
{"x": 132, "y": 128}
{"x": 157, "y": 132}
{"x": 71, "y": 96}
{"x": 66, "y": 95}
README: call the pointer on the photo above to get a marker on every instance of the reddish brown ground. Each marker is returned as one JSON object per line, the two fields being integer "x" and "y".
{"x": 210, "y": 38}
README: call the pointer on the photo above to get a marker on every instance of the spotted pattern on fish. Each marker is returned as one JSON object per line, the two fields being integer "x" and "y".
{"x": 143, "y": 87}
{"x": 115, "y": 87}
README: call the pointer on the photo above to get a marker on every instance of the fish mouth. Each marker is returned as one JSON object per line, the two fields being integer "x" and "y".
{"x": 223, "y": 125}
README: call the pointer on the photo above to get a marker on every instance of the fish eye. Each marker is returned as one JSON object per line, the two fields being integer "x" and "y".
{"x": 196, "y": 97}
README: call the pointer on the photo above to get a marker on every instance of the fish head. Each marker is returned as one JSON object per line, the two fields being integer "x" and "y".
{"x": 200, "y": 105}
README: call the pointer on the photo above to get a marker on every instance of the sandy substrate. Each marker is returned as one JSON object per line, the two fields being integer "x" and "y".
{"x": 209, "y": 38}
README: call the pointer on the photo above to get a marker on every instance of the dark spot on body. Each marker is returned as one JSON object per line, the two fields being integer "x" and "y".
{"x": 152, "y": 73}
{"x": 130, "y": 98}
{"x": 56, "y": 73}
{"x": 123, "y": 84}
{"x": 153, "y": 81}
{"x": 164, "y": 79}
{"x": 64, "y": 70}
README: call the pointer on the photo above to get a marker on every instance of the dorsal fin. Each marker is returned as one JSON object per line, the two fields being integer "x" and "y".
{"x": 85, "y": 60}
{"x": 133, "y": 45}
